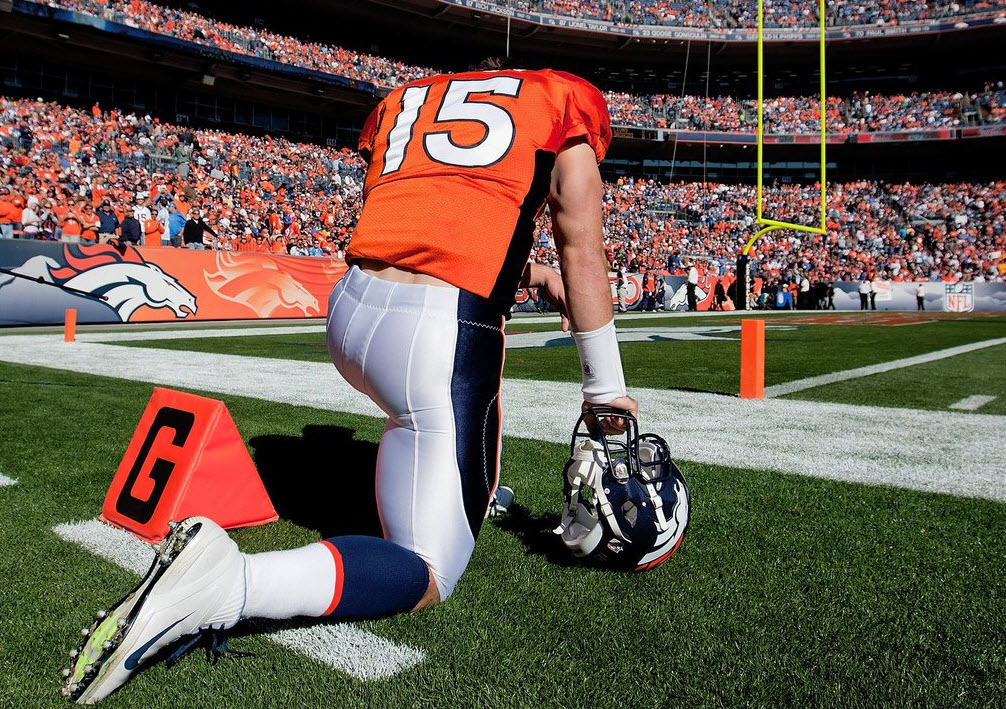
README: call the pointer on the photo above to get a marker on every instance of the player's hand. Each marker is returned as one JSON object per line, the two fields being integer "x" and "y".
{"x": 550, "y": 287}
{"x": 611, "y": 426}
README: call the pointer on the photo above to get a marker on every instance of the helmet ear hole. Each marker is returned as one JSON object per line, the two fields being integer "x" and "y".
{"x": 630, "y": 512}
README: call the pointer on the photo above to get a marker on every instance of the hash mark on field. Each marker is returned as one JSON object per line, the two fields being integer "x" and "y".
{"x": 972, "y": 403}
{"x": 341, "y": 646}
{"x": 5, "y": 481}
{"x": 811, "y": 382}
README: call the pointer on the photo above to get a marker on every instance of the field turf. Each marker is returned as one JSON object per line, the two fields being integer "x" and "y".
{"x": 793, "y": 351}
{"x": 788, "y": 591}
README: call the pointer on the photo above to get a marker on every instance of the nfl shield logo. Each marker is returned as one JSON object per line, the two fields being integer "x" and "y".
{"x": 959, "y": 298}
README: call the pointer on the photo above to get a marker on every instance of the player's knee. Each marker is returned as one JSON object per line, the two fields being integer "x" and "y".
{"x": 432, "y": 596}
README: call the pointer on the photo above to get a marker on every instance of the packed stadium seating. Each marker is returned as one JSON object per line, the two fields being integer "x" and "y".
{"x": 256, "y": 190}
{"x": 859, "y": 112}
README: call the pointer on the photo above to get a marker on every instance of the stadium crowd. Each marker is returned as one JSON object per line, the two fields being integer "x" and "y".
{"x": 734, "y": 14}
{"x": 859, "y": 112}
{"x": 260, "y": 194}
{"x": 78, "y": 175}
{"x": 261, "y": 43}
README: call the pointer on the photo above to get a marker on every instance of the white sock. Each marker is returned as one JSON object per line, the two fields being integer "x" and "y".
{"x": 228, "y": 615}
{"x": 284, "y": 584}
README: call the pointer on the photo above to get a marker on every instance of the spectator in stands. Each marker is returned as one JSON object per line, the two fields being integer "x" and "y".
{"x": 196, "y": 228}
{"x": 7, "y": 213}
{"x": 31, "y": 221}
{"x": 89, "y": 223}
{"x": 176, "y": 225}
{"x": 131, "y": 230}
{"x": 108, "y": 222}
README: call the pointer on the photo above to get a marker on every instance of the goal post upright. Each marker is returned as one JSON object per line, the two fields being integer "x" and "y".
{"x": 767, "y": 225}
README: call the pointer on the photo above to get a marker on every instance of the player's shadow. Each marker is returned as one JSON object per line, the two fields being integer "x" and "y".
{"x": 535, "y": 533}
{"x": 323, "y": 479}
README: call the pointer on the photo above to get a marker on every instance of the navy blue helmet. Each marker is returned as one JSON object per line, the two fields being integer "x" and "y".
{"x": 626, "y": 503}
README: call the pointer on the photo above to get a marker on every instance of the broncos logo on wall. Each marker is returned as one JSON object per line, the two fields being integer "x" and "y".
{"x": 260, "y": 285}
{"x": 121, "y": 280}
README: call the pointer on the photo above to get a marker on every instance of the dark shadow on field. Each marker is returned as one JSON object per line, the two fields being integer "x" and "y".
{"x": 535, "y": 533}
{"x": 696, "y": 390}
{"x": 322, "y": 480}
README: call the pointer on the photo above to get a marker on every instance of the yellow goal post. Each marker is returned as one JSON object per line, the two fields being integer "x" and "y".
{"x": 774, "y": 224}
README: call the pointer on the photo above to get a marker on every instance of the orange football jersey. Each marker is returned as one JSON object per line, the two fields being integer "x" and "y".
{"x": 460, "y": 165}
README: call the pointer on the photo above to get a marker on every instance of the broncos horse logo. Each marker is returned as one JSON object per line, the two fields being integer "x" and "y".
{"x": 260, "y": 285}
{"x": 679, "y": 300}
{"x": 123, "y": 280}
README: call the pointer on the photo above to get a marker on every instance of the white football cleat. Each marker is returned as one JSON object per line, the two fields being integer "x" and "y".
{"x": 502, "y": 498}
{"x": 193, "y": 577}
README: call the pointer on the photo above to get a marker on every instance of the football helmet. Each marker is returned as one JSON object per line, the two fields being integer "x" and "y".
{"x": 626, "y": 503}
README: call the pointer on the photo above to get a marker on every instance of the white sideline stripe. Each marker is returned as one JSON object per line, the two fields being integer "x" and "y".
{"x": 129, "y": 336}
{"x": 513, "y": 341}
{"x": 935, "y": 451}
{"x": 341, "y": 646}
{"x": 5, "y": 481}
{"x": 972, "y": 403}
{"x": 811, "y": 382}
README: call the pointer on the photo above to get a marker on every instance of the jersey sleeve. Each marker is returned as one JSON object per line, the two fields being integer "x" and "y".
{"x": 369, "y": 132}
{"x": 587, "y": 117}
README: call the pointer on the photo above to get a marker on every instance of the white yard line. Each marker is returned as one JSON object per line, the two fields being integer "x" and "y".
{"x": 924, "y": 450}
{"x": 341, "y": 646}
{"x": 811, "y": 382}
{"x": 972, "y": 403}
{"x": 6, "y": 482}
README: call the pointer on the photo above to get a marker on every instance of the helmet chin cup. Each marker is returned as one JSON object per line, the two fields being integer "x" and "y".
{"x": 583, "y": 533}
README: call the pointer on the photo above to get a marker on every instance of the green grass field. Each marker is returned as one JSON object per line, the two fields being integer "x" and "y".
{"x": 788, "y": 591}
{"x": 712, "y": 365}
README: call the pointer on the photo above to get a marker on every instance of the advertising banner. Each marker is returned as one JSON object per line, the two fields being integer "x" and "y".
{"x": 675, "y": 294}
{"x": 939, "y": 296}
{"x": 41, "y": 279}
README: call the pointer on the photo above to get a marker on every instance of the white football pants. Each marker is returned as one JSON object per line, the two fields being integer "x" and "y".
{"x": 432, "y": 358}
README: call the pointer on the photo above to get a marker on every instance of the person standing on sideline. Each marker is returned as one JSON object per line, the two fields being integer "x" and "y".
{"x": 865, "y": 288}
{"x": 692, "y": 284}
{"x": 719, "y": 295}
{"x": 920, "y": 297}
{"x": 873, "y": 296}
{"x": 621, "y": 290}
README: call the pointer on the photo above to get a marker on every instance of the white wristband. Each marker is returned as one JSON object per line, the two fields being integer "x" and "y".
{"x": 603, "y": 381}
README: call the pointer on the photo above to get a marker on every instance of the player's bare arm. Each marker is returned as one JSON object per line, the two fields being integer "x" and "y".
{"x": 575, "y": 204}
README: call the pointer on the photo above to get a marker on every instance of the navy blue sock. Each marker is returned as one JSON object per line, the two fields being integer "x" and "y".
{"x": 374, "y": 577}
